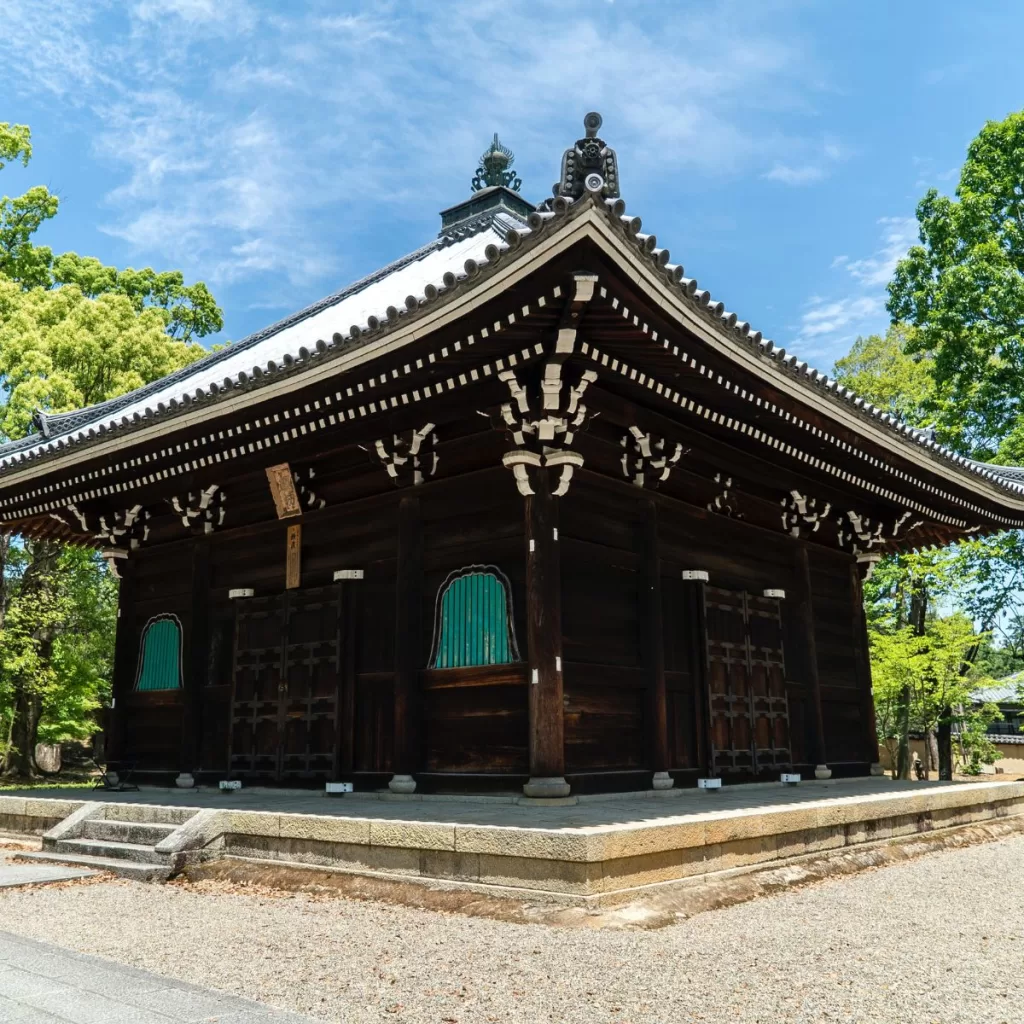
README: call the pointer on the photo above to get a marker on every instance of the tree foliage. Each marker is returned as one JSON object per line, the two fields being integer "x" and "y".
{"x": 962, "y": 289}
{"x": 60, "y": 350}
{"x": 920, "y": 685}
{"x": 881, "y": 369}
{"x": 979, "y": 582}
{"x": 73, "y": 332}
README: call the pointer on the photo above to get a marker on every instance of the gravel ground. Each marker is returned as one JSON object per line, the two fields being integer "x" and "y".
{"x": 939, "y": 939}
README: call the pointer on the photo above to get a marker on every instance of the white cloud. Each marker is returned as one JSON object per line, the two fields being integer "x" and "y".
{"x": 234, "y": 135}
{"x": 805, "y": 175}
{"x": 839, "y": 315}
{"x": 898, "y": 235}
{"x": 828, "y": 326}
{"x": 819, "y": 166}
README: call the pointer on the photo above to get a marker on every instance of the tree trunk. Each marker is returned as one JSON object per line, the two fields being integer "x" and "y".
{"x": 918, "y": 612}
{"x": 903, "y": 754}
{"x": 21, "y": 760}
{"x": 945, "y": 742}
{"x": 35, "y": 592}
{"x": 933, "y": 752}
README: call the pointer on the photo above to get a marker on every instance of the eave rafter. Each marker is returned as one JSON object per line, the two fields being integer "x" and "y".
{"x": 437, "y": 368}
{"x": 627, "y": 346}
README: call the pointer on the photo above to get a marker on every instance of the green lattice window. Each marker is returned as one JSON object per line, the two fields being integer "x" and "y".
{"x": 473, "y": 619}
{"x": 160, "y": 654}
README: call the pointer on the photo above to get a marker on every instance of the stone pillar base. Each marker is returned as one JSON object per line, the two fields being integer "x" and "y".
{"x": 402, "y": 784}
{"x": 877, "y": 769}
{"x": 113, "y": 779}
{"x": 547, "y": 787}
{"x": 662, "y": 780}
{"x": 823, "y": 772}
{"x": 185, "y": 781}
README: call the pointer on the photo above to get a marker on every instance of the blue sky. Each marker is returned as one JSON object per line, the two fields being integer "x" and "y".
{"x": 279, "y": 151}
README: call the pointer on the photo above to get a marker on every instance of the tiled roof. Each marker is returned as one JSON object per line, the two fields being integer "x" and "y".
{"x": 1006, "y": 691}
{"x": 378, "y": 302}
{"x": 384, "y": 296}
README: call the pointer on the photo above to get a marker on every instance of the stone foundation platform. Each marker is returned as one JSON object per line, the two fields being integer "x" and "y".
{"x": 599, "y": 852}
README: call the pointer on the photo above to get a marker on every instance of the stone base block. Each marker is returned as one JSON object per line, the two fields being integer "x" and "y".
{"x": 662, "y": 780}
{"x": 555, "y": 787}
{"x": 402, "y": 784}
{"x": 822, "y": 772}
{"x": 185, "y": 781}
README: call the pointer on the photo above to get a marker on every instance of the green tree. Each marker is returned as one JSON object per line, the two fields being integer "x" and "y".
{"x": 962, "y": 289}
{"x": 60, "y": 350}
{"x": 15, "y": 143}
{"x": 881, "y": 369}
{"x": 73, "y": 332}
{"x": 189, "y": 310}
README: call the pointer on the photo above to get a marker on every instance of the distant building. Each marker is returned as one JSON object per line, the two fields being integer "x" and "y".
{"x": 1006, "y": 732}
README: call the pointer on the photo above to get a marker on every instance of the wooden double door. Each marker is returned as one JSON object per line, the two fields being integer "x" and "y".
{"x": 748, "y": 709}
{"x": 289, "y": 685}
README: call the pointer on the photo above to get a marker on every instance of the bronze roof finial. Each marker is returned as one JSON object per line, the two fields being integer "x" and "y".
{"x": 495, "y": 168}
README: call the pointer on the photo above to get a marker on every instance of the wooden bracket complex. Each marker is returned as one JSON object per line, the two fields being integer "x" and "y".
{"x": 543, "y": 417}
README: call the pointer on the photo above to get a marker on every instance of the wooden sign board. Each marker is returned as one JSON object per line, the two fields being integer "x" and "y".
{"x": 293, "y": 558}
{"x": 282, "y": 488}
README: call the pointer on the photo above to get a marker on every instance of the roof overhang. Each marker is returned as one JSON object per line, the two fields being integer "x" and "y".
{"x": 588, "y": 220}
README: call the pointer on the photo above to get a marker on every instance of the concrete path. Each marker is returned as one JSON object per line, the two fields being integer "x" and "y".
{"x": 12, "y": 875}
{"x": 590, "y": 812}
{"x": 45, "y": 984}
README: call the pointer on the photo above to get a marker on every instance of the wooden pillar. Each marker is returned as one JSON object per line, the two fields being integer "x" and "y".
{"x": 125, "y": 658}
{"x": 806, "y": 612}
{"x": 408, "y": 644}
{"x": 694, "y": 584}
{"x": 196, "y": 665}
{"x": 653, "y": 645}
{"x": 544, "y": 641}
{"x": 347, "y": 674}
{"x": 863, "y": 661}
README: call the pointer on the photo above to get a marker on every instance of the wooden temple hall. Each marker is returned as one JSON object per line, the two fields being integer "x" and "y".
{"x": 527, "y": 509}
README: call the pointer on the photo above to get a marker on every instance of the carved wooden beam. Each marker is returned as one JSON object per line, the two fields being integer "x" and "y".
{"x": 725, "y": 501}
{"x": 409, "y": 457}
{"x": 202, "y": 512}
{"x": 802, "y": 516}
{"x": 647, "y": 459}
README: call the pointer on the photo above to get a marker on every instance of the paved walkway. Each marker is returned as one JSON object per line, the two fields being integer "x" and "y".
{"x": 12, "y": 875}
{"x": 483, "y": 811}
{"x": 44, "y": 984}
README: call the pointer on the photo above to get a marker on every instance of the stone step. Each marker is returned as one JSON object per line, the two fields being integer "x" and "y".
{"x": 142, "y": 833}
{"x": 121, "y": 868}
{"x": 108, "y": 850}
{"x": 148, "y": 814}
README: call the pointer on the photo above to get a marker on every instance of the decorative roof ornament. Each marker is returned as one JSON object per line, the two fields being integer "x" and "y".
{"x": 495, "y": 167}
{"x": 589, "y": 166}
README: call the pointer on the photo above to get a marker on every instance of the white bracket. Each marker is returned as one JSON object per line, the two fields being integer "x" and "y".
{"x": 778, "y": 594}
{"x": 698, "y": 575}
{"x": 348, "y": 574}
{"x": 239, "y": 592}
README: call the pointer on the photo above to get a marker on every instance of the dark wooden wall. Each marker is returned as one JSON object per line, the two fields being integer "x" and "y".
{"x": 475, "y": 721}
{"x": 842, "y": 668}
